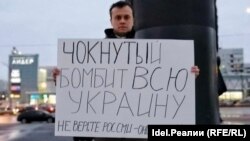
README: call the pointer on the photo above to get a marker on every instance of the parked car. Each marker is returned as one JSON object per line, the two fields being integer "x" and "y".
{"x": 35, "y": 115}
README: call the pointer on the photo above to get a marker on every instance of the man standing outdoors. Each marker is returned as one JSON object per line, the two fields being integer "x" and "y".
{"x": 122, "y": 21}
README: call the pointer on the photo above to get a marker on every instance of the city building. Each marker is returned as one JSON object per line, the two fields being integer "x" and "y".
{"x": 29, "y": 84}
{"x": 247, "y": 68}
{"x": 45, "y": 93}
{"x": 236, "y": 74}
{"x": 23, "y": 72}
{"x": 231, "y": 60}
{"x": 46, "y": 87}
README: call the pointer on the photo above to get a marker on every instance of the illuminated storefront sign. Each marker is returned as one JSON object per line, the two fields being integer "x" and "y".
{"x": 15, "y": 76}
{"x": 15, "y": 87}
{"x": 22, "y": 60}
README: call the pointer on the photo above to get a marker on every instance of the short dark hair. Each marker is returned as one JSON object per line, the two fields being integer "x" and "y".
{"x": 120, "y": 4}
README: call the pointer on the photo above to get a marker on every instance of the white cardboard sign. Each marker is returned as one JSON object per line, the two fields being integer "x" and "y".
{"x": 116, "y": 87}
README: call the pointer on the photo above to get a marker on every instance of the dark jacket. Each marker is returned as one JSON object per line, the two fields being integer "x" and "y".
{"x": 110, "y": 33}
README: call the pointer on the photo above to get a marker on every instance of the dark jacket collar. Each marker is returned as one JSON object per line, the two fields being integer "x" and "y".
{"x": 110, "y": 33}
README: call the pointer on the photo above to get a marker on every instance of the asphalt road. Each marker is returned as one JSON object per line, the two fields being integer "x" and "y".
{"x": 30, "y": 132}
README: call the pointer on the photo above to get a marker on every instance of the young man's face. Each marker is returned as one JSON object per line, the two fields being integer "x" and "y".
{"x": 122, "y": 20}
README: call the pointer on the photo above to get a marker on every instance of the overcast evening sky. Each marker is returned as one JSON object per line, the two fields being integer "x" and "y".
{"x": 33, "y": 26}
